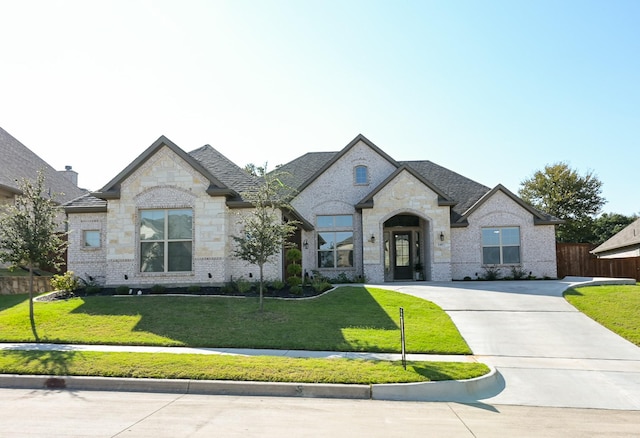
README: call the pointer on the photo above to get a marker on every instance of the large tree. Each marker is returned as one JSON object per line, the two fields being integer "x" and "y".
{"x": 608, "y": 224}
{"x": 564, "y": 193}
{"x": 265, "y": 231}
{"x": 29, "y": 232}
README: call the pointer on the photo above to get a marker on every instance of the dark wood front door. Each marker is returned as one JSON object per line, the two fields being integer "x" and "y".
{"x": 402, "y": 257}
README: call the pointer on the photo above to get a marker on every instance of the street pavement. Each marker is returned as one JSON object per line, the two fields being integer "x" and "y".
{"x": 70, "y": 414}
{"x": 544, "y": 352}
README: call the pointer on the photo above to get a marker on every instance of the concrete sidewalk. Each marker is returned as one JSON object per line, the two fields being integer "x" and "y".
{"x": 468, "y": 390}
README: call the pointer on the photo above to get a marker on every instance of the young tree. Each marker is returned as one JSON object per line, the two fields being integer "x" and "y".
{"x": 562, "y": 192}
{"x": 264, "y": 229}
{"x": 28, "y": 232}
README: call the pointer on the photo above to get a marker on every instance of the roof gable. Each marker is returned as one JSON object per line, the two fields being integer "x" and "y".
{"x": 628, "y": 236}
{"x": 539, "y": 218}
{"x": 306, "y": 169}
{"x": 443, "y": 199}
{"x": 19, "y": 162}
{"x": 112, "y": 189}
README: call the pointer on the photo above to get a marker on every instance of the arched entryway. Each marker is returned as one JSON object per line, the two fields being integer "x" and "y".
{"x": 404, "y": 248}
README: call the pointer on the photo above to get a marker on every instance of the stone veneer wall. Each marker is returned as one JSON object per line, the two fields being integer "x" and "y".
{"x": 20, "y": 285}
{"x": 407, "y": 195}
{"x": 165, "y": 182}
{"x": 87, "y": 262}
{"x": 537, "y": 242}
{"x": 334, "y": 193}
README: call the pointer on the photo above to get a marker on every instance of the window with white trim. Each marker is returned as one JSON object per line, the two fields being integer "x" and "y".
{"x": 501, "y": 246}
{"x": 166, "y": 240}
{"x": 335, "y": 241}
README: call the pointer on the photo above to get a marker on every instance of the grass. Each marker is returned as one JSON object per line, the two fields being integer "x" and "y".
{"x": 348, "y": 319}
{"x": 215, "y": 367}
{"x": 616, "y": 307}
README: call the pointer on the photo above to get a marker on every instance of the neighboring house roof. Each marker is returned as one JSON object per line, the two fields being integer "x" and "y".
{"x": 18, "y": 162}
{"x": 627, "y": 237}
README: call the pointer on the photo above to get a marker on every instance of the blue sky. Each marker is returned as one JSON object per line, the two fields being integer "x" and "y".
{"x": 493, "y": 90}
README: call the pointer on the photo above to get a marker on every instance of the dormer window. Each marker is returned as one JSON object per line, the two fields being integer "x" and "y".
{"x": 361, "y": 174}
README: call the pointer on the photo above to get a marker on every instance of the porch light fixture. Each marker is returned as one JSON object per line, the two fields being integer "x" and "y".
{"x": 441, "y": 236}
{"x": 372, "y": 239}
{"x": 305, "y": 244}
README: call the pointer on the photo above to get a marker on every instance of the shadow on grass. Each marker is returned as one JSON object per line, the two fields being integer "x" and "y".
{"x": 9, "y": 301}
{"x": 316, "y": 324}
{"x": 36, "y": 362}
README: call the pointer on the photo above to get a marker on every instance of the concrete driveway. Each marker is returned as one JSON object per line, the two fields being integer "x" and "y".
{"x": 547, "y": 352}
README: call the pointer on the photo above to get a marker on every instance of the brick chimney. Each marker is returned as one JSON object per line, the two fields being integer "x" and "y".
{"x": 70, "y": 174}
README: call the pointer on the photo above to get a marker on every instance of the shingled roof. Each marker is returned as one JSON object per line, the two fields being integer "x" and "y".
{"x": 18, "y": 162}
{"x": 627, "y": 237}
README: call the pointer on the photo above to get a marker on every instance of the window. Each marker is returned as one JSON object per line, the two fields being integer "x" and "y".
{"x": 335, "y": 241}
{"x": 501, "y": 246}
{"x": 91, "y": 239}
{"x": 166, "y": 240}
{"x": 361, "y": 175}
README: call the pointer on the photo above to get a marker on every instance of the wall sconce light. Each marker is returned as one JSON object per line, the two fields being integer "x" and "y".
{"x": 441, "y": 236}
{"x": 305, "y": 244}
{"x": 372, "y": 239}
{"x": 126, "y": 277}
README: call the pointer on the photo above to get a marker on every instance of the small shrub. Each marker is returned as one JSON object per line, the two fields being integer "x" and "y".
{"x": 321, "y": 286}
{"x": 294, "y": 255}
{"x": 295, "y": 290}
{"x": 122, "y": 290}
{"x": 67, "y": 282}
{"x": 158, "y": 288}
{"x": 518, "y": 273}
{"x": 276, "y": 284}
{"x": 294, "y": 281}
{"x": 294, "y": 270}
{"x": 491, "y": 273}
{"x": 243, "y": 286}
{"x": 194, "y": 289}
{"x": 228, "y": 288}
{"x": 91, "y": 290}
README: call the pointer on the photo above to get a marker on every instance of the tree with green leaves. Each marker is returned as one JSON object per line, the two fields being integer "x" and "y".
{"x": 29, "y": 232}
{"x": 265, "y": 232}
{"x": 567, "y": 195}
{"x": 607, "y": 225}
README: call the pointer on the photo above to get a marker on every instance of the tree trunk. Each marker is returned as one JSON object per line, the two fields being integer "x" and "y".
{"x": 261, "y": 283}
{"x": 31, "y": 315}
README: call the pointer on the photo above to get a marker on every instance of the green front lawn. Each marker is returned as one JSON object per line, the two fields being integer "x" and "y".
{"x": 214, "y": 367}
{"x": 616, "y": 307}
{"x": 348, "y": 319}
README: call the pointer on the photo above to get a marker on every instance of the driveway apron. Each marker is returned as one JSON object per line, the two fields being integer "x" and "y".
{"x": 548, "y": 353}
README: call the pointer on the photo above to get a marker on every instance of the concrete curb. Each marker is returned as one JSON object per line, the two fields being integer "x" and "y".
{"x": 451, "y": 390}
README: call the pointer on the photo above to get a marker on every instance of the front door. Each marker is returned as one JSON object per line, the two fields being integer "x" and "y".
{"x": 402, "y": 258}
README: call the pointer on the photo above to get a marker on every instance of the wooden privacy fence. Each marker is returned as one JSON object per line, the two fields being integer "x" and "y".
{"x": 574, "y": 259}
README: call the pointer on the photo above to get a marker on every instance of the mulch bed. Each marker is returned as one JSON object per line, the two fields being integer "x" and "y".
{"x": 307, "y": 292}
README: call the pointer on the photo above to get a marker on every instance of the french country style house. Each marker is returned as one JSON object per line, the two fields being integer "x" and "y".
{"x": 169, "y": 218}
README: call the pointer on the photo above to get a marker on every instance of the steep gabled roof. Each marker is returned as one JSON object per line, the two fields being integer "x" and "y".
{"x": 628, "y": 236}
{"x": 224, "y": 169}
{"x": 461, "y": 189}
{"x": 539, "y": 218}
{"x": 443, "y": 198}
{"x": 216, "y": 187}
{"x": 18, "y": 162}
{"x": 306, "y": 169}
